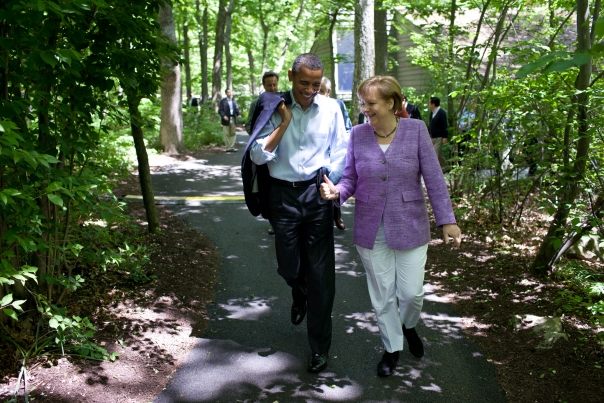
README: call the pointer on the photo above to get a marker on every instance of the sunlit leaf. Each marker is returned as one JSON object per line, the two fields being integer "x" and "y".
{"x": 11, "y": 313}
{"x": 56, "y": 199}
{"x": 48, "y": 58}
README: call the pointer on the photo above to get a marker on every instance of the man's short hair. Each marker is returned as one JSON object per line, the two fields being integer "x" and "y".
{"x": 387, "y": 88}
{"x": 308, "y": 60}
{"x": 269, "y": 74}
{"x": 435, "y": 101}
{"x": 327, "y": 83}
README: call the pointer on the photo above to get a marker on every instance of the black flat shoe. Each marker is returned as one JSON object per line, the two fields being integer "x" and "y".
{"x": 416, "y": 347}
{"x": 387, "y": 364}
{"x": 298, "y": 313}
{"x": 317, "y": 363}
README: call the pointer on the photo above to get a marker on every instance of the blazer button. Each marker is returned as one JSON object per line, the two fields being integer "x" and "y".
{"x": 383, "y": 178}
{"x": 383, "y": 195}
{"x": 384, "y": 161}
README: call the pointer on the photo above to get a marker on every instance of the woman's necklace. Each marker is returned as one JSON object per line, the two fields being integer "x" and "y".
{"x": 387, "y": 135}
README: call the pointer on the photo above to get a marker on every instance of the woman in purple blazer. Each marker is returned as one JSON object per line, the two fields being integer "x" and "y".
{"x": 386, "y": 160}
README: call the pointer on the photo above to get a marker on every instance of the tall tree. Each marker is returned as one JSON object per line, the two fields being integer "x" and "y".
{"x": 331, "y": 71}
{"x": 364, "y": 51}
{"x": 289, "y": 36}
{"x": 381, "y": 38}
{"x": 170, "y": 130}
{"x": 187, "y": 60}
{"x": 218, "y": 50}
{"x": 571, "y": 178}
{"x": 202, "y": 26}
{"x": 227, "y": 44}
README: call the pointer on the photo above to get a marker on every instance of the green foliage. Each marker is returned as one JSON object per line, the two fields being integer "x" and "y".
{"x": 201, "y": 128}
{"x": 583, "y": 293}
{"x": 66, "y": 68}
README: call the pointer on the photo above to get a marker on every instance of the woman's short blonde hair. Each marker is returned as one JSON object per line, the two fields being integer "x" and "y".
{"x": 387, "y": 88}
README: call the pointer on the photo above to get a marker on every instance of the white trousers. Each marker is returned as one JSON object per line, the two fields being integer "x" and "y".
{"x": 395, "y": 279}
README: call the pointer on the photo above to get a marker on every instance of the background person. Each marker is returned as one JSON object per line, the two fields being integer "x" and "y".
{"x": 325, "y": 91}
{"x": 439, "y": 129}
{"x": 412, "y": 110}
{"x": 386, "y": 158}
{"x": 228, "y": 110}
{"x": 270, "y": 82}
{"x": 311, "y": 131}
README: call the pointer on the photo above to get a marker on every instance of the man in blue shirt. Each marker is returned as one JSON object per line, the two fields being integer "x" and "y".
{"x": 299, "y": 144}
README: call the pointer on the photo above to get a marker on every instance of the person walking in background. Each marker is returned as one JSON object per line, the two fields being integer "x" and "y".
{"x": 300, "y": 145}
{"x": 412, "y": 110}
{"x": 228, "y": 110}
{"x": 270, "y": 82}
{"x": 439, "y": 129}
{"x": 325, "y": 91}
{"x": 386, "y": 158}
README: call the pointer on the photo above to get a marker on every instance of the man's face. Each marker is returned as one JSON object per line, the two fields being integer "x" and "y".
{"x": 323, "y": 90}
{"x": 431, "y": 106}
{"x": 271, "y": 84}
{"x": 305, "y": 85}
{"x": 228, "y": 93}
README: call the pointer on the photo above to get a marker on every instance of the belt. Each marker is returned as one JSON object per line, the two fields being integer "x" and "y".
{"x": 300, "y": 184}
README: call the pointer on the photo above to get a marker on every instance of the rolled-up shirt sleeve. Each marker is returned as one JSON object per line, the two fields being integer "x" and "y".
{"x": 338, "y": 145}
{"x": 257, "y": 152}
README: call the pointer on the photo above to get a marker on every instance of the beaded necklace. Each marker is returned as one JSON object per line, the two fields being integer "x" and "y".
{"x": 387, "y": 135}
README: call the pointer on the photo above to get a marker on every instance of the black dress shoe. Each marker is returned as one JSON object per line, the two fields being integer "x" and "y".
{"x": 317, "y": 363}
{"x": 340, "y": 223}
{"x": 416, "y": 347}
{"x": 298, "y": 313}
{"x": 387, "y": 364}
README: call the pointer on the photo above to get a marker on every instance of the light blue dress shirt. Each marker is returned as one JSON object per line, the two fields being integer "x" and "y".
{"x": 230, "y": 102}
{"x": 315, "y": 138}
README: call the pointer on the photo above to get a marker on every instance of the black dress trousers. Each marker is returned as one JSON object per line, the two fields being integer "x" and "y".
{"x": 303, "y": 224}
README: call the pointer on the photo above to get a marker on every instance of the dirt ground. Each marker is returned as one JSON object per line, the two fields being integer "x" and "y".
{"x": 154, "y": 326}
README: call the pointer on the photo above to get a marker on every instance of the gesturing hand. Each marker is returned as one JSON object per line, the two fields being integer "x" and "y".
{"x": 286, "y": 114}
{"x": 453, "y": 231}
{"x": 328, "y": 190}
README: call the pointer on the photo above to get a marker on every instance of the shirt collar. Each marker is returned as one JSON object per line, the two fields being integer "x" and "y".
{"x": 314, "y": 100}
{"x": 435, "y": 111}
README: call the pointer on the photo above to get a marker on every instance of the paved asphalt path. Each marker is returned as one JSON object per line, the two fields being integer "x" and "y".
{"x": 252, "y": 353}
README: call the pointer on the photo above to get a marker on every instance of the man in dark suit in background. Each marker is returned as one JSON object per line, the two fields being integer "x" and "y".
{"x": 412, "y": 110}
{"x": 228, "y": 109}
{"x": 438, "y": 128}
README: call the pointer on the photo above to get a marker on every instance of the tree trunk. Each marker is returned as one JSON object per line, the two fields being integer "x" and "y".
{"x": 331, "y": 73}
{"x": 289, "y": 38}
{"x": 571, "y": 179}
{"x": 221, "y": 20}
{"x": 170, "y": 130}
{"x": 250, "y": 58}
{"x": 450, "y": 53}
{"x": 227, "y": 45}
{"x": 202, "y": 25}
{"x": 144, "y": 173}
{"x": 364, "y": 52}
{"x": 381, "y": 38}
{"x": 185, "y": 35}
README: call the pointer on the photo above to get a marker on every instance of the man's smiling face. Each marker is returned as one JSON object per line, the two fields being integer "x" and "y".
{"x": 305, "y": 85}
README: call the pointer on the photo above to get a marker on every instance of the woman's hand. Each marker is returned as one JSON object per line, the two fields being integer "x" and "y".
{"x": 328, "y": 190}
{"x": 453, "y": 231}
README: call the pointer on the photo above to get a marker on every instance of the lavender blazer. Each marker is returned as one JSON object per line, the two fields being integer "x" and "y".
{"x": 389, "y": 185}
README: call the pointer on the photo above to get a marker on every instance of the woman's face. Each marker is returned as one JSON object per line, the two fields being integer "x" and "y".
{"x": 377, "y": 110}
